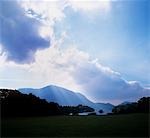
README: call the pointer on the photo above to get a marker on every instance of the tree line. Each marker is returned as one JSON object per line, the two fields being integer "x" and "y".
{"x": 141, "y": 106}
{"x": 14, "y": 103}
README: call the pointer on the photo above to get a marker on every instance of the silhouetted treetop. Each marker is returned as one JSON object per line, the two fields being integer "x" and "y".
{"x": 141, "y": 106}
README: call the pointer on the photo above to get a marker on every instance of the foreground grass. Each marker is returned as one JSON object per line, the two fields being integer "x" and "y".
{"x": 132, "y": 125}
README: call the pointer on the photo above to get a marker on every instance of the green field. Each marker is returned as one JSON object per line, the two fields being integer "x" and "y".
{"x": 132, "y": 125}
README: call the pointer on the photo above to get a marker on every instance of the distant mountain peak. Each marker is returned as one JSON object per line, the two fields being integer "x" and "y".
{"x": 66, "y": 97}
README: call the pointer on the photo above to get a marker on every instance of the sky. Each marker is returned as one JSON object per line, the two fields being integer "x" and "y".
{"x": 99, "y": 48}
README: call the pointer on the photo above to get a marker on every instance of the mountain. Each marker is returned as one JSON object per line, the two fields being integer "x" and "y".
{"x": 66, "y": 97}
{"x": 125, "y": 103}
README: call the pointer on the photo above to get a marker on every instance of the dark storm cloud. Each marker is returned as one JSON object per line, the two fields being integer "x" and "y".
{"x": 19, "y": 33}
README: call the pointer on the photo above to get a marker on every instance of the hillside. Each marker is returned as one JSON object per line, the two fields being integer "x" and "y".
{"x": 14, "y": 104}
{"x": 66, "y": 97}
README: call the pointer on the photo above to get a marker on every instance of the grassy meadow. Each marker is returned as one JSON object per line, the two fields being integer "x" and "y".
{"x": 130, "y": 125}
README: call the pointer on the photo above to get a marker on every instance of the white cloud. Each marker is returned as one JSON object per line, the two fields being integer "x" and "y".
{"x": 54, "y": 66}
{"x": 46, "y": 32}
{"x": 51, "y": 11}
{"x": 75, "y": 70}
{"x": 48, "y": 10}
{"x": 87, "y": 6}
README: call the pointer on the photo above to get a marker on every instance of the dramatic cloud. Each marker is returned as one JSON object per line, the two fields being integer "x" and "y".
{"x": 74, "y": 69}
{"x": 102, "y": 84}
{"x": 22, "y": 30}
{"x": 20, "y": 36}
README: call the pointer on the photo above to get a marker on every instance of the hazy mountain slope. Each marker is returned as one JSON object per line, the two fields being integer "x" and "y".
{"x": 66, "y": 97}
{"x": 125, "y": 103}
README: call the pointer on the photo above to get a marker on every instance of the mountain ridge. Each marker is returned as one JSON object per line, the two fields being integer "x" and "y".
{"x": 66, "y": 97}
